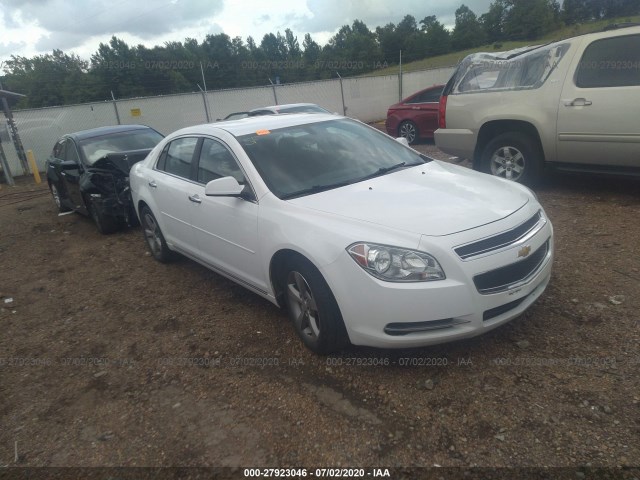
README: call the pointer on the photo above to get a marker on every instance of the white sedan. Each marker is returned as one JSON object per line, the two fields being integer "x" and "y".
{"x": 360, "y": 237}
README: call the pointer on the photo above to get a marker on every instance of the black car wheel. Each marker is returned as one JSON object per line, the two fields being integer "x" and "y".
{"x": 57, "y": 198}
{"x": 313, "y": 309}
{"x": 514, "y": 156}
{"x": 153, "y": 236}
{"x": 409, "y": 130}
{"x": 106, "y": 223}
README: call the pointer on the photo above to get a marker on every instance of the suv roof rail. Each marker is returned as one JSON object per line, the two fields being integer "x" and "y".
{"x": 616, "y": 26}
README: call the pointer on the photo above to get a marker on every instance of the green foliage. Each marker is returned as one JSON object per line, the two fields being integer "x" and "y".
{"x": 175, "y": 67}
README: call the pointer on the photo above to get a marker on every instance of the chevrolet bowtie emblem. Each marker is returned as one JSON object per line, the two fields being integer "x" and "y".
{"x": 524, "y": 251}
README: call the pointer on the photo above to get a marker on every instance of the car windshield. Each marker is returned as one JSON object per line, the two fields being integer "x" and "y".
{"x": 310, "y": 158}
{"x": 97, "y": 147}
{"x": 489, "y": 72}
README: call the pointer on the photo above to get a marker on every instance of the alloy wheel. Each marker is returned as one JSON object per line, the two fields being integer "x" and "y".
{"x": 508, "y": 162}
{"x": 152, "y": 234}
{"x": 303, "y": 305}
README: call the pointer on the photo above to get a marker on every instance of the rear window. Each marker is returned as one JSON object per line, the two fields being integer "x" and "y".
{"x": 610, "y": 62}
{"x": 489, "y": 72}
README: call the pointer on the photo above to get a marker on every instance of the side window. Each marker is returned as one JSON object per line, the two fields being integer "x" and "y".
{"x": 611, "y": 62}
{"x": 71, "y": 152}
{"x": 179, "y": 157}
{"x": 217, "y": 162}
{"x": 432, "y": 96}
{"x": 58, "y": 149}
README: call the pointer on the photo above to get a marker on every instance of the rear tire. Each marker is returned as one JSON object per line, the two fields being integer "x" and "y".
{"x": 312, "y": 308}
{"x": 409, "y": 130}
{"x": 154, "y": 237}
{"x": 514, "y": 156}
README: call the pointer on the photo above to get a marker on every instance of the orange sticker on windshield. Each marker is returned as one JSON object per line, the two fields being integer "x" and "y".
{"x": 263, "y": 132}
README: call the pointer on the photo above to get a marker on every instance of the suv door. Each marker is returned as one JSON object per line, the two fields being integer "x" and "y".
{"x": 171, "y": 182}
{"x": 226, "y": 227}
{"x": 598, "y": 121}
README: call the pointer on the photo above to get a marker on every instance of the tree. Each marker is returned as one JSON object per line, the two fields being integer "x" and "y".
{"x": 468, "y": 32}
{"x": 530, "y": 19}
{"x": 494, "y": 20}
{"x": 437, "y": 40}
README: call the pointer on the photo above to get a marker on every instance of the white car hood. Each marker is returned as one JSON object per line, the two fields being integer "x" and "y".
{"x": 434, "y": 199}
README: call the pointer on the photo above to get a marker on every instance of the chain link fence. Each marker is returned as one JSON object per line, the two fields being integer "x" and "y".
{"x": 364, "y": 98}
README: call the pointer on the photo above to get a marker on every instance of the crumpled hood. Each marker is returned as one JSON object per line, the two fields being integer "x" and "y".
{"x": 434, "y": 199}
{"x": 121, "y": 161}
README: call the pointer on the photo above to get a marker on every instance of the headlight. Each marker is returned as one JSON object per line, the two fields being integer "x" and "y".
{"x": 395, "y": 264}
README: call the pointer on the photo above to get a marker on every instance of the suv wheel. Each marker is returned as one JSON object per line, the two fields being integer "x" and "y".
{"x": 513, "y": 156}
{"x": 408, "y": 130}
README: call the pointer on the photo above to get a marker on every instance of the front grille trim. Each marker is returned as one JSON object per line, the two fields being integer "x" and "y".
{"x": 503, "y": 240}
{"x": 513, "y": 275}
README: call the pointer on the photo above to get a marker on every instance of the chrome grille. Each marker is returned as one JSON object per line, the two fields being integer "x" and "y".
{"x": 502, "y": 240}
{"x": 510, "y": 276}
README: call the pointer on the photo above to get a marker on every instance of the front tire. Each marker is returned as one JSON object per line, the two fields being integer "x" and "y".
{"x": 57, "y": 198}
{"x": 154, "y": 237}
{"x": 409, "y": 130}
{"x": 313, "y": 309}
{"x": 106, "y": 224}
{"x": 514, "y": 156}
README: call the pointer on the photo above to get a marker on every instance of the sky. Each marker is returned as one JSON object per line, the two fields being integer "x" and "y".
{"x": 31, "y": 27}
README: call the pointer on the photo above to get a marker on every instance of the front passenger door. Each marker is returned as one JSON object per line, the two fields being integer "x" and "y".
{"x": 226, "y": 228}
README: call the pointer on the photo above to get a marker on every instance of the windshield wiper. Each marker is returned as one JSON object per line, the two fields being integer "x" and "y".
{"x": 315, "y": 189}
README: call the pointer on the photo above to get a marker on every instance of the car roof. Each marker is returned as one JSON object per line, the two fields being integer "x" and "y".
{"x": 286, "y": 105}
{"x": 101, "y": 131}
{"x": 249, "y": 125}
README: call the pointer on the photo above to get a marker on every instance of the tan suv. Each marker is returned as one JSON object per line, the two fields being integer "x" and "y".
{"x": 572, "y": 104}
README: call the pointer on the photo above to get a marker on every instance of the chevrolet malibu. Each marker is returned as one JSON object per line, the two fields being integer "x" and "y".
{"x": 362, "y": 239}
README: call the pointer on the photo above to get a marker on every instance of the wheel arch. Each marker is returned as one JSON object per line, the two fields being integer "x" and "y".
{"x": 277, "y": 270}
{"x": 491, "y": 129}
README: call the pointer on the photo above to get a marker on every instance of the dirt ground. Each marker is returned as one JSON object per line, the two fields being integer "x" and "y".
{"x": 109, "y": 358}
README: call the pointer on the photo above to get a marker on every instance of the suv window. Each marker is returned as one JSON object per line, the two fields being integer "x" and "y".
{"x": 610, "y": 62}
{"x": 179, "y": 156}
{"x": 529, "y": 70}
{"x": 217, "y": 162}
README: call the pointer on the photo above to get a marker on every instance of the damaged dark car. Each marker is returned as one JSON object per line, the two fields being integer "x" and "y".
{"x": 88, "y": 172}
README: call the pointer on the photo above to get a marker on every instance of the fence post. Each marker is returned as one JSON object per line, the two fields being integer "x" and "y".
{"x": 400, "y": 79}
{"x": 5, "y": 167}
{"x": 344, "y": 107}
{"x": 115, "y": 107}
{"x": 273, "y": 86}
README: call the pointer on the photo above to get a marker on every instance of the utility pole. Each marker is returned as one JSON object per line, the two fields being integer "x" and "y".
{"x": 400, "y": 79}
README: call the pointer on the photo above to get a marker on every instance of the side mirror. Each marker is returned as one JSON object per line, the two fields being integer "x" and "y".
{"x": 223, "y": 187}
{"x": 403, "y": 141}
{"x": 69, "y": 165}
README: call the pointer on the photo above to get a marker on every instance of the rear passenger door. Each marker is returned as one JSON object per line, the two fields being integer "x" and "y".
{"x": 171, "y": 182}
{"x": 426, "y": 106}
{"x": 598, "y": 119}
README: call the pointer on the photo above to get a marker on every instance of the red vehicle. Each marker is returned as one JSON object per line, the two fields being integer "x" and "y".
{"x": 416, "y": 116}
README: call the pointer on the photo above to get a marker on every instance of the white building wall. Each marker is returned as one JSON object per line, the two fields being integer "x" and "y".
{"x": 365, "y": 98}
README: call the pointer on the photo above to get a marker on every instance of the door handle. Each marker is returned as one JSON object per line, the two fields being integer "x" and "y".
{"x": 152, "y": 184}
{"x": 578, "y": 102}
{"x": 195, "y": 198}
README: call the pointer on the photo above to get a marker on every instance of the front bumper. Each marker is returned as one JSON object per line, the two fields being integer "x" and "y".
{"x": 387, "y": 314}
